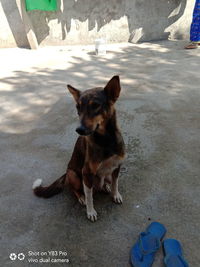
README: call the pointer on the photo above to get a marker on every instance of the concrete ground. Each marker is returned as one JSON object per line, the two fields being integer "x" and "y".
{"x": 158, "y": 112}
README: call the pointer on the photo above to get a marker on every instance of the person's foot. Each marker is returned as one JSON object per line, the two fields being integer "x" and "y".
{"x": 192, "y": 45}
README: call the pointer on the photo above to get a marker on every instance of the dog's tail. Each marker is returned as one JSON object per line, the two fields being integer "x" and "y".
{"x": 51, "y": 190}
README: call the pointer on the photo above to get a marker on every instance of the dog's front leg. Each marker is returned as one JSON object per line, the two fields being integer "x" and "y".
{"x": 91, "y": 212}
{"x": 88, "y": 178}
{"x": 114, "y": 189}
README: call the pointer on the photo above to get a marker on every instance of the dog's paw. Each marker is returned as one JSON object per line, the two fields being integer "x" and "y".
{"x": 92, "y": 215}
{"x": 117, "y": 198}
{"x": 106, "y": 188}
{"x": 82, "y": 200}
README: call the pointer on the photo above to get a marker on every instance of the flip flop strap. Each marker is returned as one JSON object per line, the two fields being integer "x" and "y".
{"x": 144, "y": 252}
{"x": 177, "y": 256}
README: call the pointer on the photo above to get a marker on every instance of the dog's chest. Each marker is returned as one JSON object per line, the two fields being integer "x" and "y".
{"x": 109, "y": 165}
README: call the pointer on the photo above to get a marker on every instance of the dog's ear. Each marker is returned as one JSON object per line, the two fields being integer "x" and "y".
{"x": 112, "y": 89}
{"x": 75, "y": 92}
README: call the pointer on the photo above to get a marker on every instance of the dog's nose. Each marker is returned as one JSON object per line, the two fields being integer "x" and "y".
{"x": 82, "y": 130}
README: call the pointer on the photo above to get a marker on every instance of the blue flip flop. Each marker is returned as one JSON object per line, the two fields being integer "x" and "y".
{"x": 173, "y": 254}
{"x": 144, "y": 250}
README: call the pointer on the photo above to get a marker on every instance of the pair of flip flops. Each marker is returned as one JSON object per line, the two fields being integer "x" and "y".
{"x": 149, "y": 242}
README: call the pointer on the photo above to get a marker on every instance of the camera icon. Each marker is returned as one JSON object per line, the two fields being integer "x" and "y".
{"x": 13, "y": 256}
{"x": 19, "y": 256}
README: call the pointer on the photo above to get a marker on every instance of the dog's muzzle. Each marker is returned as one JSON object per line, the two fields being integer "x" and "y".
{"x": 82, "y": 130}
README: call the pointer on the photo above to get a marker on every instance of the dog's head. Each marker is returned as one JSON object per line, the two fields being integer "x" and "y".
{"x": 95, "y": 106}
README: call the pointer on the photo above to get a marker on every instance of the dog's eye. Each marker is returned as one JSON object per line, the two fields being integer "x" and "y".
{"x": 95, "y": 106}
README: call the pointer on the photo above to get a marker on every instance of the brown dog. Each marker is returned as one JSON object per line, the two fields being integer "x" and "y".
{"x": 98, "y": 152}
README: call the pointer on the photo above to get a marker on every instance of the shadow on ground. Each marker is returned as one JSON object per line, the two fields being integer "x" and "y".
{"x": 159, "y": 116}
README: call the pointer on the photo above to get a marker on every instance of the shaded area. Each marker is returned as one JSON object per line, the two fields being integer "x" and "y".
{"x": 158, "y": 113}
{"x": 149, "y": 18}
{"x": 147, "y": 25}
